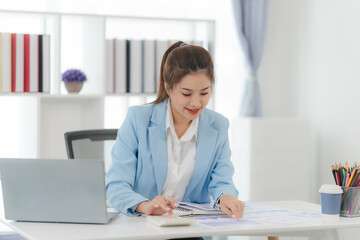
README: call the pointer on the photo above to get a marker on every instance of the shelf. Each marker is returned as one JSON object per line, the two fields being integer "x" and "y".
{"x": 77, "y": 95}
{"x": 72, "y": 96}
{"x": 130, "y": 94}
{"x": 104, "y": 15}
{"x": 36, "y": 122}
{"x": 78, "y": 40}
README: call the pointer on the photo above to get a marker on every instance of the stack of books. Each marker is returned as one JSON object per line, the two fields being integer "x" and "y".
{"x": 24, "y": 63}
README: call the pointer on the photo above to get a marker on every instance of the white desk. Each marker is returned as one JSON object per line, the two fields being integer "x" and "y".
{"x": 124, "y": 227}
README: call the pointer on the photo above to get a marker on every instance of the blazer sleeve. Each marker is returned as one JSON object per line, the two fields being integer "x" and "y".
{"x": 122, "y": 172}
{"x": 221, "y": 177}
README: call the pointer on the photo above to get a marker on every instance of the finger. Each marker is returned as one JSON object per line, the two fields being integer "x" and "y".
{"x": 236, "y": 210}
{"x": 164, "y": 205}
{"x": 227, "y": 211}
{"x": 242, "y": 205}
{"x": 241, "y": 208}
{"x": 171, "y": 201}
{"x": 160, "y": 208}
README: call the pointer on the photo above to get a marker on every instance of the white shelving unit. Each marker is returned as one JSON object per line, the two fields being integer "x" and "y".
{"x": 34, "y": 124}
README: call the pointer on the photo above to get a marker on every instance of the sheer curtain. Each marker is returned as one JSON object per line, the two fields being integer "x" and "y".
{"x": 251, "y": 20}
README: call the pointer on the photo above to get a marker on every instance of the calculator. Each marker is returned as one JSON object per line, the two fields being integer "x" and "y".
{"x": 166, "y": 221}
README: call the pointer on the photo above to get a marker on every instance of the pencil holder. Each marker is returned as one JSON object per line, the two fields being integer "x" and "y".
{"x": 350, "y": 202}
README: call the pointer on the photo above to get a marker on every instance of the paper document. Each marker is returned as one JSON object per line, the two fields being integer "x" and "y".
{"x": 259, "y": 214}
{"x": 226, "y": 222}
{"x": 195, "y": 209}
{"x": 271, "y": 214}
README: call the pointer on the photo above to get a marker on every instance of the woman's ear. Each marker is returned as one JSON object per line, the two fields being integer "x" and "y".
{"x": 167, "y": 89}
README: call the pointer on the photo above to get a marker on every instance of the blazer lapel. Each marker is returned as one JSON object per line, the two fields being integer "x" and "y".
{"x": 205, "y": 147}
{"x": 157, "y": 141}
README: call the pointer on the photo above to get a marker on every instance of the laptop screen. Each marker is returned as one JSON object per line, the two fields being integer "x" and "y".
{"x": 54, "y": 190}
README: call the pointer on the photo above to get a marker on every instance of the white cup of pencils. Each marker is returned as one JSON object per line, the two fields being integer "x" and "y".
{"x": 348, "y": 177}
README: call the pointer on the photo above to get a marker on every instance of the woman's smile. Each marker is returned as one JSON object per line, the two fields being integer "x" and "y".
{"x": 193, "y": 111}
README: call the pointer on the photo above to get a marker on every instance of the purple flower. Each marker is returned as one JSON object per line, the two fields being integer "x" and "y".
{"x": 73, "y": 75}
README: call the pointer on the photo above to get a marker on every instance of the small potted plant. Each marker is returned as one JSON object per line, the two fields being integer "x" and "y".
{"x": 74, "y": 80}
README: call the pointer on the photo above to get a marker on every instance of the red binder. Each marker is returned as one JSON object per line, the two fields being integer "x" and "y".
{"x": 26, "y": 63}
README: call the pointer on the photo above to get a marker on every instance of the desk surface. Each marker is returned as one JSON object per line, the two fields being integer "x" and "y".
{"x": 124, "y": 227}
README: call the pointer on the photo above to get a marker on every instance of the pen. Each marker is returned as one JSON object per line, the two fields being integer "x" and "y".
{"x": 170, "y": 204}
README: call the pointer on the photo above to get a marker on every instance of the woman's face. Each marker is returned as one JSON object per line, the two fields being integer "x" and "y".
{"x": 189, "y": 97}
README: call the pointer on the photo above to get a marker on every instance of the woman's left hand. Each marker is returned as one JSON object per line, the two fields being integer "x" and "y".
{"x": 233, "y": 207}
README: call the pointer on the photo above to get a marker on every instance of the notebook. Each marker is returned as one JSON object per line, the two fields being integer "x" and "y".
{"x": 185, "y": 209}
{"x": 49, "y": 190}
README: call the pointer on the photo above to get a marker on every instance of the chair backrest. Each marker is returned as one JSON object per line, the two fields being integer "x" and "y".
{"x": 91, "y": 144}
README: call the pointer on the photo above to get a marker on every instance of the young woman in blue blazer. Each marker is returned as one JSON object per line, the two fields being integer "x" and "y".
{"x": 174, "y": 149}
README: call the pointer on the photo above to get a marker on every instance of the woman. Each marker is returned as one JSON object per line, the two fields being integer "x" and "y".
{"x": 174, "y": 149}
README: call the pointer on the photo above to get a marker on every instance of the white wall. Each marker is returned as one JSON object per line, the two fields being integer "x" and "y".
{"x": 310, "y": 69}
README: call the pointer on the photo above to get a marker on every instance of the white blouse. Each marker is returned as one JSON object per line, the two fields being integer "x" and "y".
{"x": 181, "y": 157}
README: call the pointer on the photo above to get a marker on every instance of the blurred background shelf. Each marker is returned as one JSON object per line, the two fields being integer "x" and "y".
{"x": 79, "y": 41}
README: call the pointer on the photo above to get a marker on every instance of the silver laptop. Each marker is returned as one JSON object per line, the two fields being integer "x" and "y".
{"x": 48, "y": 190}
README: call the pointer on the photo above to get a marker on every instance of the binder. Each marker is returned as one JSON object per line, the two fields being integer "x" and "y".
{"x": 26, "y": 63}
{"x": 149, "y": 66}
{"x": 6, "y": 62}
{"x": 19, "y": 77}
{"x": 110, "y": 61}
{"x": 120, "y": 66}
{"x": 46, "y": 63}
{"x": 127, "y": 42}
{"x": 13, "y": 62}
{"x": 40, "y": 63}
{"x": 34, "y": 63}
{"x": 136, "y": 67}
{"x": 161, "y": 47}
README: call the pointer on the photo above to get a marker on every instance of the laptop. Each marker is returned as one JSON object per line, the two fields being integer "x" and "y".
{"x": 54, "y": 190}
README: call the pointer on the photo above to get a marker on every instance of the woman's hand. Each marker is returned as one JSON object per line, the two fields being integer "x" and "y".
{"x": 158, "y": 206}
{"x": 233, "y": 207}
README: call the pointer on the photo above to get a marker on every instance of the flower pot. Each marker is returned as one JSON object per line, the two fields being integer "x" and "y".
{"x": 74, "y": 87}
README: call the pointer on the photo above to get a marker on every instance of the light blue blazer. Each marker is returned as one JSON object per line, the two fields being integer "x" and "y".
{"x": 139, "y": 159}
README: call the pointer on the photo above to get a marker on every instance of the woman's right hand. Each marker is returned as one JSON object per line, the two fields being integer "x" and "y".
{"x": 158, "y": 206}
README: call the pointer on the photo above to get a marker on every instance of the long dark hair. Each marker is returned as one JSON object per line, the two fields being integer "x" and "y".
{"x": 179, "y": 60}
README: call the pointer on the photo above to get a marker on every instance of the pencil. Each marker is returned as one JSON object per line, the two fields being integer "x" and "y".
{"x": 333, "y": 172}
{"x": 356, "y": 178}
{"x": 351, "y": 177}
{"x": 337, "y": 177}
{"x": 340, "y": 174}
{"x": 347, "y": 179}
{"x": 344, "y": 177}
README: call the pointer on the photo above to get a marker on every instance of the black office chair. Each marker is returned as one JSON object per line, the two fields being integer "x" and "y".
{"x": 91, "y": 144}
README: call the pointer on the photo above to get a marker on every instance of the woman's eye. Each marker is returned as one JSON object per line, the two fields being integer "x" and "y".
{"x": 204, "y": 93}
{"x": 186, "y": 95}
